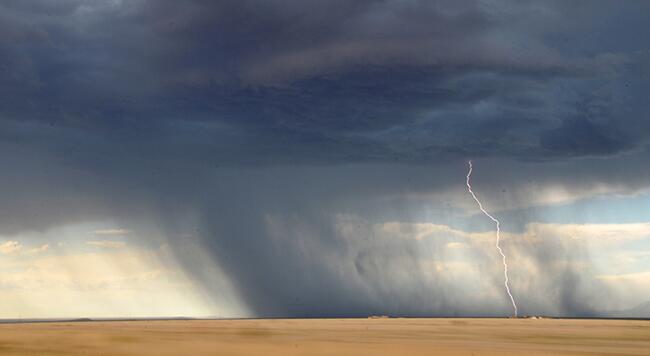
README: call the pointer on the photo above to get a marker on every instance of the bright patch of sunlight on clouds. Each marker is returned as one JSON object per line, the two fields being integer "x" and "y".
{"x": 10, "y": 247}
{"x": 611, "y": 253}
{"x": 104, "y": 278}
{"x": 112, "y": 232}
{"x": 107, "y": 244}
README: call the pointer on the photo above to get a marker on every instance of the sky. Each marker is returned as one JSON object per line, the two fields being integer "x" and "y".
{"x": 307, "y": 158}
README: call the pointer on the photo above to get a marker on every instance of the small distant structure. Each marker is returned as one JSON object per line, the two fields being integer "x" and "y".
{"x": 534, "y": 317}
{"x": 378, "y": 317}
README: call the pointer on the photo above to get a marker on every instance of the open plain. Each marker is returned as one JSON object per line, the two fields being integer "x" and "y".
{"x": 381, "y": 336}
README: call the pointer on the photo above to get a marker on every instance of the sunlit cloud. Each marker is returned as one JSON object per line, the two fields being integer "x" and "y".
{"x": 635, "y": 287}
{"x": 456, "y": 245}
{"x": 112, "y": 232}
{"x": 39, "y": 249}
{"x": 107, "y": 244}
{"x": 544, "y": 256}
{"x": 102, "y": 283}
{"x": 594, "y": 234}
{"x": 10, "y": 247}
{"x": 638, "y": 278}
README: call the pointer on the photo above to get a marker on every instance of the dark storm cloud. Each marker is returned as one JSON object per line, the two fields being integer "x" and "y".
{"x": 368, "y": 74}
{"x": 155, "y": 110}
{"x": 577, "y": 137}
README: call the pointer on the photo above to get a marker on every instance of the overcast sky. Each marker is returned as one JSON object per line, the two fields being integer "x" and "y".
{"x": 308, "y": 158}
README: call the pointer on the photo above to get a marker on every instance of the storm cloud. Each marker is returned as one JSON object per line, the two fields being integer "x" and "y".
{"x": 265, "y": 131}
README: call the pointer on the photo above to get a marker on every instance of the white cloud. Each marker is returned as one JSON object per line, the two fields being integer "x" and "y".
{"x": 594, "y": 234}
{"x": 107, "y": 244}
{"x": 519, "y": 196}
{"x": 39, "y": 249}
{"x": 112, "y": 232}
{"x": 634, "y": 288}
{"x": 419, "y": 231}
{"x": 554, "y": 194}
{"x": 105, "y": 283}
{"x": 10, "y": 247}
{"x": 16, "y": 248}
{"x": 456, "y": 245}
{"x": 637, "y": 278}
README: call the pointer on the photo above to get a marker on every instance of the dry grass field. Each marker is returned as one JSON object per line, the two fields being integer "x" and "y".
{"x": 330, "y": 337}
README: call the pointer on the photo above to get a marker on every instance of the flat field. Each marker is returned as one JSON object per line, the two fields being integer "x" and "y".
{"x": 330, "y": 337}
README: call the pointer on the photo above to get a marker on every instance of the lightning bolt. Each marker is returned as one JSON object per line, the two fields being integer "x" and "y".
{"x": 503, "y": 256}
